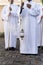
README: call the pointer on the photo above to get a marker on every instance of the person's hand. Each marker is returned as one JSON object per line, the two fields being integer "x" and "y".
{"x": 10, "y": 8}
{"x": 22, "y": 4}
{"x": 42, "y": 9}
{"x": 41, "y": 17}
{"x": 9, "y": 14}
{"x": 2, "y": 19}
{"x": 29, "y": 5}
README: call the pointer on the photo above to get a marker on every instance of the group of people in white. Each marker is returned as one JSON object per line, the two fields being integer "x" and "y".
{"x": 24, "y": 22}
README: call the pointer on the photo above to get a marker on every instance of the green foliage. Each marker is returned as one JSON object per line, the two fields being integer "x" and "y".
{"x": 42, "y": 1}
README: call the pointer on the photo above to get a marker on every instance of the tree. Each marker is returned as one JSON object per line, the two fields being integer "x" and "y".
{"x": 42, "y": 1}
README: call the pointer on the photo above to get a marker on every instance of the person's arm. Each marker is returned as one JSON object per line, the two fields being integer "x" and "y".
{"x": 4, "y": 15}
{"x": 40, "y": 14}
{"x": 15, "y": 11}
{"x": 33, "y": 11}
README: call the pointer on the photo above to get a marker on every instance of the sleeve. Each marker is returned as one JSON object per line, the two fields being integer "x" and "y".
{"x": 18, "y": 10}
{"x": 40, "y": 14}
{"x": 4, "y": 15}
{"x": 35, "y": 11}
{"x": 15, "y": 11}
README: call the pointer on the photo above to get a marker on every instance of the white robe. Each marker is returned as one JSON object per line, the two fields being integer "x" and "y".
{"x": 29, "y": 18}
{"x": 39, "y": 26}
{"x": 10, "y": 25}
{"x": 42, "y": 29}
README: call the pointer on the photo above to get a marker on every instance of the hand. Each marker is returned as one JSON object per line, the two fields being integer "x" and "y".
{"x": 9, "y": 14}
{"x": 42, "y": 9}
{"x": 29, "y": 5}
{"x": 2, "y": 19}
{"x": 10, "y": 8}
{"x": 22, "y": 4}
{"x": 41, "y": 17}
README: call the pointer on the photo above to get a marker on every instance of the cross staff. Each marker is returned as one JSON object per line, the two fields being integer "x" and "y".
{"x": 22, "y": 3}
{"x": 21, "y": 23}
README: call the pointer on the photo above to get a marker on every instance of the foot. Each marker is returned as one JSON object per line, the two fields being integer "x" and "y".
{"x": 13, "y": 49}
{"x": 6, "y": 49}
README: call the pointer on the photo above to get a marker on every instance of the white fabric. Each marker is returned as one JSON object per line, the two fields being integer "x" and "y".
{"x": 39, "y": 27}
{"x": 42, "y": 28}
{"x": 38, "y": 9}
{"x": 42, "y": 33}
{"x": 29, "y": 18}
{"x": 10, "y": 25}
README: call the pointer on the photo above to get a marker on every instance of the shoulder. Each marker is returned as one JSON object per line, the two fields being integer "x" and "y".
{"x": 4, "y": 8}
{"x": 15, "y": 6}
{"x": 39, "y": 5}
{"x": 33, "y": 2}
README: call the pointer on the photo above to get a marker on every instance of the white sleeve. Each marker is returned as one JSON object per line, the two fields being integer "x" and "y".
{"x": 40, "y": 14}
{"x": 16, "y": 11}
{"x": 34, "y": 11}
{"x": 4, "y": 15}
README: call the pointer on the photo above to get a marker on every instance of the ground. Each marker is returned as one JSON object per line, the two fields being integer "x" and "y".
{"x": 15, "y": 58}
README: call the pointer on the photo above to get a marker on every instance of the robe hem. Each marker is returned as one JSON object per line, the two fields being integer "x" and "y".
{"x": 28, "y": 53}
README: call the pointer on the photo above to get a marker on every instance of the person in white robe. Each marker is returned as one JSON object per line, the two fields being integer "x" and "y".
{"x": 10, "y": 18}
{"x": 42, "y": 26}
{"x": 28, "y": 35}
{"x": 39, "y": 26}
